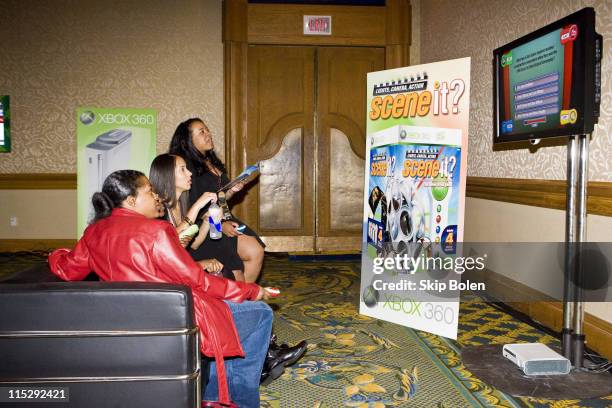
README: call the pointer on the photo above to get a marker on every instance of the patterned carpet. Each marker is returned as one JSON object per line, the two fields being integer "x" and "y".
{"x": 357, "y": 361}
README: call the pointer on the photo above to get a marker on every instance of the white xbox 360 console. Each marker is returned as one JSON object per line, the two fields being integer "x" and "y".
{"x": 536, "y": 359}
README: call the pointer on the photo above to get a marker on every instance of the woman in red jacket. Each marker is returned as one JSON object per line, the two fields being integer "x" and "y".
{"x": 125, "y": 242}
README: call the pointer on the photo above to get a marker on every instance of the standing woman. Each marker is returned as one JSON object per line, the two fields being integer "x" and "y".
{"x": 193, "y": 141}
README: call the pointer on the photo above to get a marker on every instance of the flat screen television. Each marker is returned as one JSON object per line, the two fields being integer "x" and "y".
{"x": 547, "y": 83}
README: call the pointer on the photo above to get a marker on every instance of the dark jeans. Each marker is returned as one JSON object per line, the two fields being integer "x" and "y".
{"x": 253, "y": 322}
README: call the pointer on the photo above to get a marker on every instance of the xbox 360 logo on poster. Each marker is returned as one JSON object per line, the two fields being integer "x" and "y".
{"x": 403, "y": 134}
{"x": 370, "y": 296}
{"x": 87, "y": 117}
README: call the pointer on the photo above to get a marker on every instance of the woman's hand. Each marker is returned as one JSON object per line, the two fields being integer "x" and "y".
{"x": 185, "y": 241}
{"x": 238, "y": 187}
{"x": 263, "y": 294}
{"x": 229, "y": 228}
{"x": 206, "y": 198}
{"x": 212, "y": 266}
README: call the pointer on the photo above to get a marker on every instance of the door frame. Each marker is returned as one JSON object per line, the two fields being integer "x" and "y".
{"x": 247, "y": 24}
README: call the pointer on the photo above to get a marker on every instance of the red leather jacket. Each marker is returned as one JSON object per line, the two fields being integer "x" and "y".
{"x": 127, "y": 246}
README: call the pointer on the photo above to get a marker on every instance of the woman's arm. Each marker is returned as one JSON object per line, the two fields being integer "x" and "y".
{"x": 211, "y": 266}
{"x": 174, "y": 265}
{"x": 70, "y": 265}
{"x": 192, "y": 213}
{"x": 202, "y": 233}
{"x": 200, "y": 203}
{"x": 230, "y": 193}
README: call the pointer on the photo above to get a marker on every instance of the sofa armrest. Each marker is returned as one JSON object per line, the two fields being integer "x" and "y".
{"x": 39, "y": 273}
{"x": 88, "y": 306}
{"x": 111, "y": 343}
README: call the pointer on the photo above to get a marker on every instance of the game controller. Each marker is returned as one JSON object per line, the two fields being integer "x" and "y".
{"x": 190, "y": 232}
{"x": 273, "y": 292}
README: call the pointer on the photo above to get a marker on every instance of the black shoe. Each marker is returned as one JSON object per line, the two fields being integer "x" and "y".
{"x": 287, "y": 355}
{"x": 279, "y": 357}
{"x": 274, "y": 346}
{"x": 271, "y": 371}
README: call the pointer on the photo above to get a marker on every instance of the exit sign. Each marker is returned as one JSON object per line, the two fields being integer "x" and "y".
{"x": 317, "y": 25}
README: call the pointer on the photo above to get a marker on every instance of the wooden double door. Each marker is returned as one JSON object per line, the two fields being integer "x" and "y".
{"x": 305, "y": 124}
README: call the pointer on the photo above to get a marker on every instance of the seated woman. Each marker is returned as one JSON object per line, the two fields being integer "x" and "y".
{"x": 125, "y": 242}
{"x": 236, "y": 250}
{"x": 171, "y": 181}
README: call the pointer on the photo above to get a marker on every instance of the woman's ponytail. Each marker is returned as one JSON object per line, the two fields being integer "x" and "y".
{"x": 118, "y": 186}
{"x": 103, "y": 206}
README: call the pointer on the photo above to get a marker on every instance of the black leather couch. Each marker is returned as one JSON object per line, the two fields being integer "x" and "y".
{"x": 111, "y": 344}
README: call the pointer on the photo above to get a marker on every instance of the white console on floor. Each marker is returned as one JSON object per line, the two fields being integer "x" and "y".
{"x": 536, "y": 359}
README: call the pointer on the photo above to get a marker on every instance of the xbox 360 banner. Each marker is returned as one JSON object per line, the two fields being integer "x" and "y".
{"x": 110, "y": 140}
{"x": 416, "y": 147}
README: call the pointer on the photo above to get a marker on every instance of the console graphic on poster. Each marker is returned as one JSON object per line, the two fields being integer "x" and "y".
{"x": 110, "y": 140}
{"x": 414, "y": 193}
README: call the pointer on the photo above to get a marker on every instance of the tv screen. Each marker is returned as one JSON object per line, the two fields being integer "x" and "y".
{"x": 546, "y": 83}
{"x": 5, "y": 124}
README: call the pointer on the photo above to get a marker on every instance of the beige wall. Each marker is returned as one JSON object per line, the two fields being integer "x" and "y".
{"x": 474, "y": 28}
{"x": 41, "y": 214}
{"x": 62, "y": 54}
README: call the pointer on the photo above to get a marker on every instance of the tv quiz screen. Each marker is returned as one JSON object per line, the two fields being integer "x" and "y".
{"x": 536, "y": 84}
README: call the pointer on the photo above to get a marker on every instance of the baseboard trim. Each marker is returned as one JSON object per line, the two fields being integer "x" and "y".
{"x": 16, "y": 245}
{"x": 549, "y": 313}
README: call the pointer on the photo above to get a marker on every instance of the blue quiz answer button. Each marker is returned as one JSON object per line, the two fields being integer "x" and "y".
{"x": 507, "y": 126}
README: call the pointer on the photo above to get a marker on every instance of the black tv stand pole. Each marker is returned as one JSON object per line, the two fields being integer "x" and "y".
{"x": 575, "y": 231}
